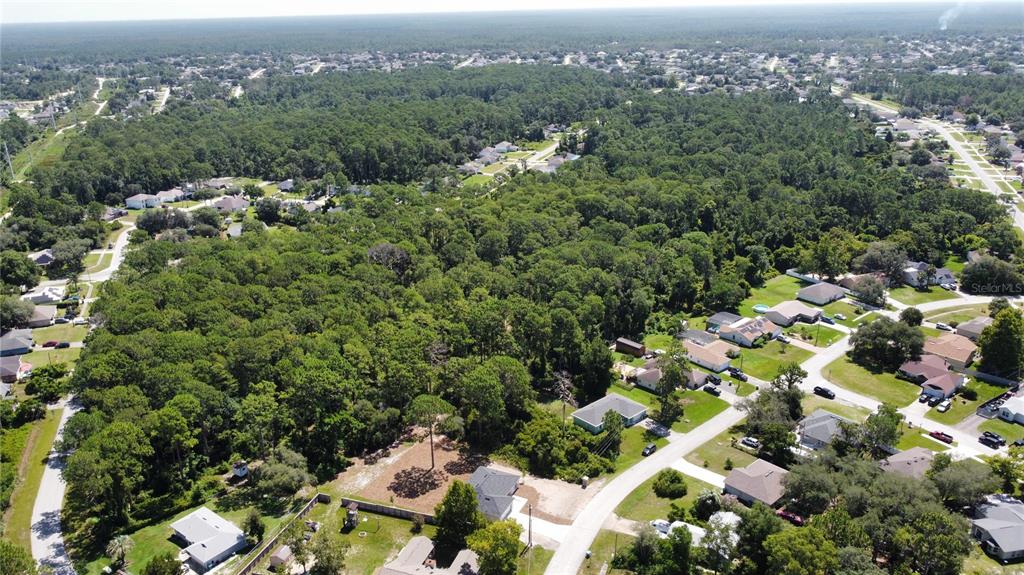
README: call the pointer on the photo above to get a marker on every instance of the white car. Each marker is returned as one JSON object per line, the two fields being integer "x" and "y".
{"x": 782, "y": 338}
{"x": 79, "y": 321}
{"x": 839, "y": 316}
{"x": 661, "y": 526}
{"x": 944, "y": 406}
{"x": 751, "y": 442}
{"x": 943, "y": 326}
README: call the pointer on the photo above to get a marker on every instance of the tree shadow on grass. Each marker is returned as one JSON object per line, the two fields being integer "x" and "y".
{"x": 416, "y": 482}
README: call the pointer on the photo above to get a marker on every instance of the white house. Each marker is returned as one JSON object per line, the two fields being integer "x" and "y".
{"x": 914, "y": 272}
{"x": 209, "y": 538}
{"x": 1012, "y": 410}
{"x": 821, "y": 293}
{"x": 44, "y": 295}
{"x": 749, "y": 331}
{"x": 141, "y": 201}
{"x": 172, "y": 195}
{"x": 789, "y": 312}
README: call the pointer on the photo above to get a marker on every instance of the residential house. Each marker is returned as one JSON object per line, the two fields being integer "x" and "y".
{"x": 219, "y": 183}
{"x": 112, "y": 213}
{"x": 917, "y": 274}
{"x": 749, "y": 332}
{"x": 141, "y": 201}
{"x": 789, "y": 312}
{"x": 1012, "y": 410}
{"x": 591, "y": 416}
{"x": 42, "y": 257}
{"x": 944, "y": 385}
{"x": 281, "y": 557}
{"x": 921, "y": 370}
{"x": 469, "y": 168}
{"x": 287, "y": 185}
{"x": 821, "y": 293}
{"x": 16, "y": 342}
{"x": 697, "y": 336}
{"x": 42, "y": 316}
{"x": 229, "y": 204}
{"x": 715, "y": 322}
{"x": 759, "y": 481}
{"x": 972, "y": 328}
{"x": 505, "y": 147}
{"x": 648, "y": 378}
{"x": 999, "y": 525}
{"x": 494, "y": 490}
{"x": 416, "y": 558}
{"x": 914, "y": 462}
{"x": 695, "y": 378}
{"x": 208, "y": 537}
{"x": 851, "y": 281}
{"x": 955, "y": 349}
{"x": 43, "y": 295}
{"x": 11, "y": 369}
{"x": 234, "y": 230}
{"x": 712, "y": 357}
{"x": 818, "y": 429}
{"x": 975, "y": 256}
{"x": 630, "y": 347}
{"x": 169, "y": 196}
{"x": 488, "y": 156}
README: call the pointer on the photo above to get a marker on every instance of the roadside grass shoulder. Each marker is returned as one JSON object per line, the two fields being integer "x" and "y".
{"x": 720, "y": 449}
{"x": 912, "y": 296}
{"x": 40, "y": 441}
{"x": 882, "y": 386}
{"x": 643, "y": 505}
{"x": 764, "y": 362}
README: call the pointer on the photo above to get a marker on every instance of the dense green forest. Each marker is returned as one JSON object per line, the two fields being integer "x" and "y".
{"x": 319, "y": 338}
{"x": 996, "y": 99}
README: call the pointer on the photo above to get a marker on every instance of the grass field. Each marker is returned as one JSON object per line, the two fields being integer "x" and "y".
{"x": 714, "y": 453}
{"x": 19, "y": 518}
{"x": 97, "y": 262}
{"x": 659, "y": 341}
{"x": 778, "y": 289}
{"x": 1010, "y": 431}
{"x": 819, "y": 334}
{"x": 643, "y": 505}
{"x": 534, "y": 561}
{"x": 46, "y": 357}
{"x": 811, "y": 403}
{"x": 633, "y": 441}
{"x": 42, "y": 152}
{"x": 913, "y": 296}
{"x": 978, "y": 563}
{"x": 698, "y": 407}
{"x": 602, "y": 550}
{"x": 958, "y": 314}
{"x": 844, "y": 307}
{"x": 518, "y": 155}
{"x": 60, "y": 332}
{"x": 637, "y": 394}
{"x": 478, "y": 180}
{"x": 13, "y": 442}
{"x": 764, "y": 362}
{"x": 493, "y": 168}
{"x": 918, "y": 437}
{"x": 882, "y": 386}
{"x": 961, "y": 407}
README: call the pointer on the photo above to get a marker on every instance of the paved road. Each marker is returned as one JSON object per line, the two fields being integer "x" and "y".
{"x": 572, "y": 552}
{"x": 47, "y": 539}
{"x": 120, "y": 246}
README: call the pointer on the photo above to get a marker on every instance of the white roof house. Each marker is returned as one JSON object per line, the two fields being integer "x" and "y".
{"x": 48, "y": 294}
{"x": 210, "y": 538}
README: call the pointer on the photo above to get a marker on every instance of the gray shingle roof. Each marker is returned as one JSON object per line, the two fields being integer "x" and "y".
{"x": 821, "y": 426}
{"x": 593, "y": 413}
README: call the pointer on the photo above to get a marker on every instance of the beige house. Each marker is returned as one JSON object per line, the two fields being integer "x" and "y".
{"x": 957, "y": 350}
{"x": 759, "y": 481}
{"x": 789, "y": 312}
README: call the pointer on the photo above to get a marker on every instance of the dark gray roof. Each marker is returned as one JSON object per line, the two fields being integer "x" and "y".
{"x": 723, "y": 318}
{"x": 594, "y": 413}
{"x": 1003, "y": 518}
{"x": 494, "y": 489}
{"x": 821, "y": 426}
{"x": 698, "y": 336}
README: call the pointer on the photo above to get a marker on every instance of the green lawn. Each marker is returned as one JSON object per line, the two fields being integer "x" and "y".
{"x": 46, "y": 357}
{"x": 866, "y": 319}
{"x": 961, "y": 407}
{"x": 534, "y": 561}
{"x": 493, "y": 168}
{"x": 715, "y": 452}
{"x": 918, "y": 437}
{"x": 97, "y": 262}
{"x": 536, "y": 146}
{"x": 19, "y": 519}
{"x": 811, "y": 403}
{"x": 778, "y": 289}
{"x": 518, "y": 155}
{"x": 958, "y": 314}
{"x": 818, "y": 334}
{"x": 60, "y": 332}
{"x": 602, "y": 550}
{"x": 913, "y": 296}
{"x": 978, "y": 563}
{"x": 643, "y": 505}
{"x": 698, "y": 407}
{"x": 764, "y": 362}
{"x": 659, "y": 341}
{"x": 478, "y": 180}
{"x": 698, "y": 322}
{"x": 882, "y": 386}
{"x": 42, "y": 152}
{"x": 844, "y": 307}
{"x": 637, "y": 394}
{"x": 634, "y": 440}
{"x": 1010, "y": 431}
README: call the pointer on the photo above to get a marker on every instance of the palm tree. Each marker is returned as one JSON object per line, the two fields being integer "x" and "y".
{"x": 118, "y": 549}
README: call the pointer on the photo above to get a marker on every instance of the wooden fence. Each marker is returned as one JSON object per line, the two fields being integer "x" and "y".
{"x": 388, "y": 510}
{"x": 269, "y": 546}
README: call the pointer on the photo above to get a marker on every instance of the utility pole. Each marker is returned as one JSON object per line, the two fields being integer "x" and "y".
{"x": 529, "y": 529}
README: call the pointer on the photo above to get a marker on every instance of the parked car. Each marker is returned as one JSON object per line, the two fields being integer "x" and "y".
{"x": 944, "y": 406}
{"x": 923, "y": 398}
{"x": 989, "y": 442}
{"x": 79, "y": 321}
{"x": 791, "y": 517}
{"x": 61, "y": 320}
{"x": 783, "y": 338}
{"x": 51, "y": 343}
{"x": 828, "y": 320}
{"x": 994, "y": 437}
{"x": 840, "y": 316}
{"x": 649, "y": 449}
{"x": 661, "y": 525}
{"x": 712, "y": 390}
{"x": 943, "y": 326}
{"x": 1018, "y": 443}
{"x": 824, "y": 392}
{"x": 751, "y": 442}
{"x": 943, "y": 437}
{"x": 62, "y": 345}
{"x": 735, "y": 372}
{"x": 715, "y": 379}
{"x": 935, "y": 400}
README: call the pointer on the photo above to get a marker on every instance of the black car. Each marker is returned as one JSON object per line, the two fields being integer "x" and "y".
{"x": 62, "y": 345}
{"x": 649, "y": 449}
{"x": 1018, "y": 443}
{"x": 737, "y": 374}
{"x": 714, "y": 379}
{"x": 933, "y": 401}
{"x": 828, "y": 320}
{"x": 994, "y": 437}
{"x": 733, "y": 370}
{"x": 985, "y": 440}
{"x": 712, "y": 390}
{"x": 824, "y": 392}
{"x": 922, "y": 398}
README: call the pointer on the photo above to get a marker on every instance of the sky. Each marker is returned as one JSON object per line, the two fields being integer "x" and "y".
{"x": 22, "y": 11}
